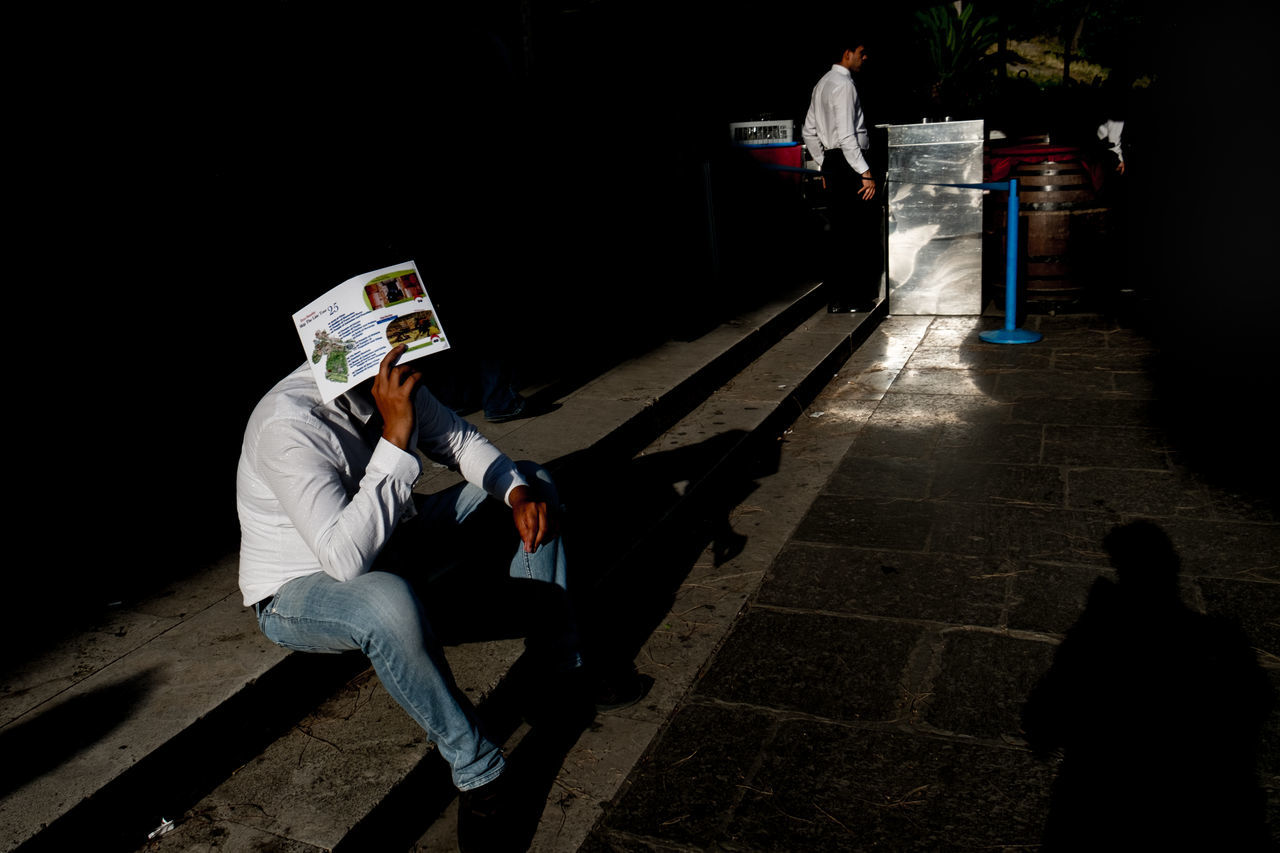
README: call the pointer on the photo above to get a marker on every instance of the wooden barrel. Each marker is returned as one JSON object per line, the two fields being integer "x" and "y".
{"x": 1054, "y": 200}
{"x": 1054, "y": 185}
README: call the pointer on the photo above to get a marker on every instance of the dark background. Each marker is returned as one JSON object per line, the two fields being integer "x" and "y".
{"x": 187, "y": 178}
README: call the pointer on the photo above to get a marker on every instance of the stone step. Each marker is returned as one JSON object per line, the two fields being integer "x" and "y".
{"x": 139, "y": 716}
{"x": 769, "y": 393}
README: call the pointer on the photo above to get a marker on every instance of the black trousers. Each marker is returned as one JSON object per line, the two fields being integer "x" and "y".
{"x": 854, "y": 255}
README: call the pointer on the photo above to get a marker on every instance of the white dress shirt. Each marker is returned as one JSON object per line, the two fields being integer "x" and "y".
{"x": 835, "y": 120}
{"x": 314, "y": 495}
{"x": 1110, "y": 131}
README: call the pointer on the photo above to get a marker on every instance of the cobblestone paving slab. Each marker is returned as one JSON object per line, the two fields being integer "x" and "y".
{"x": 1226, "y": 549}
{"x": 970, "y": 482}
{"x": 1130, "y": 492}
{"x": 839, "y": 520}
{"x": 1112, "y": 447}
{"x": 1104, "y": 411}
{"x": 889, "y": 584}
{"x": 1018, "y": 532}
{"x": 1049, "y": 598}
{"x": 823, "y": 787}
{"x": 1011, "y": 444}
{"x": 1254, "y": 605}
{"x": 982, "y": 681}
{"x": 833, "y": 666}
{"x": 689, "y": 784}
{"x": 901, "y": 441}
{"x": 880, "y": 477}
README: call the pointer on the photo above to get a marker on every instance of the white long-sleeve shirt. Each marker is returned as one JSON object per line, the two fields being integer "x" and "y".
{"x": 835, "y": 120}
{"x": 1110, "y": 131}
{"x": 314, "y": 495}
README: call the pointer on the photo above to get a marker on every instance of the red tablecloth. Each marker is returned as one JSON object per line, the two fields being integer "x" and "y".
{"x": 778, "y": 155}
{"x": 1001, "y": 161}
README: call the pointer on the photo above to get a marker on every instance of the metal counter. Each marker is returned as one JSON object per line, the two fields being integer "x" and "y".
{"x": 935, "y": 233}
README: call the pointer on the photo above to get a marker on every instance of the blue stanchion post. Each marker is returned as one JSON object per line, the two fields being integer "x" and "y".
{"x": 1011, "y": 334}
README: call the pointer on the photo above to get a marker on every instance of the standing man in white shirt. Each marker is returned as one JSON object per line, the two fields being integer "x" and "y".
{"x": 1111, "y": 131}
{"x": 835, "y": 133}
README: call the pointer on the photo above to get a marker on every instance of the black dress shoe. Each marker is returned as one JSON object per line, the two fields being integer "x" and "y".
{"x": 569, "y": 701}
{"x": 839, "y": 308}
{"x": 517, "y": 410}
{"x": 483, "y": 825}
{"x": 621, "y": 688}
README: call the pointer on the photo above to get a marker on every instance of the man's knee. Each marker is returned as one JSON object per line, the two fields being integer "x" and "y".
{"x": 387, "y": 607}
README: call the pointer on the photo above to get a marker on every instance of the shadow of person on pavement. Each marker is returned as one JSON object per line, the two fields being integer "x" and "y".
{"x": 1157, "y": 711}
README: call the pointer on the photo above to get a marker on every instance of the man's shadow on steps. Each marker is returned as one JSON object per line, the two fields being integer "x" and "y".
{"x": 639, "y": 527}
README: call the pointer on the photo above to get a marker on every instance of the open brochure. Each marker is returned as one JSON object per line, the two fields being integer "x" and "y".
{"x": 347, "y": 331}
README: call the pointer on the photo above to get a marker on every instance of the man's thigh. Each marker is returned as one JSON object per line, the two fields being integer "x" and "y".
{"x": 319, "y": 614}
{"x": 842, "y": 180}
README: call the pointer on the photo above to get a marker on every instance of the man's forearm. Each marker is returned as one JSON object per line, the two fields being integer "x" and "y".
{"x": 345, "y": 532}
{"x": 856, "y": 158}
{"x": 450, "y": 440}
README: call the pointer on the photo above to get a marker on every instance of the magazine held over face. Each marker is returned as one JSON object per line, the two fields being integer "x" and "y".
{"x": 347, "y": 331}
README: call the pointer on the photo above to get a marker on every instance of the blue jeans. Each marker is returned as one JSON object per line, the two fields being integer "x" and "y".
{"x": 379, "y": 613}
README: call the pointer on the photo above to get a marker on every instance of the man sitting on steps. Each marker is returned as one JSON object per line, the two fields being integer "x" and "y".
{"x": 330, "y": 524}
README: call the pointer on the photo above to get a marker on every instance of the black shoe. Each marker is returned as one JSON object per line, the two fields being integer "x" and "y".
{"x": 839, "y": 308}
{"x": 568, "y": 701}
{"x": 516, "y": 411}
{"x": 614, "y": 691}
{"x": 482, "y": 819}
